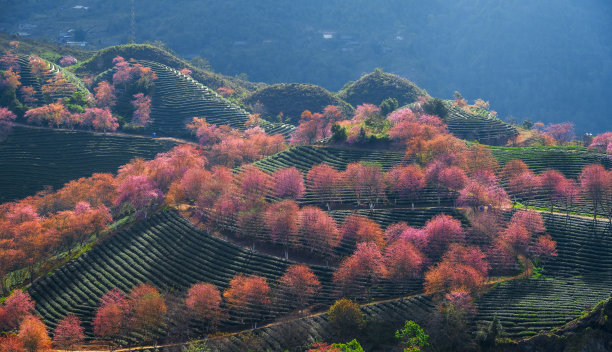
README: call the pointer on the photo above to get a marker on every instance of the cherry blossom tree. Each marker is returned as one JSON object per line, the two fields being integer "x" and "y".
{"x": 366, "y": 181}
{"x": 568, "y": 192}
{"x": 601, "y": 142}
{"x": 6, "y": 116}
{"x": 563, "y": 132}
{"x": 11, "y": 343}
{"x": 545, "y": 247}
{"x": 418, "y": 237}
{"x": 364, "y": 112}
{"x": 443, "y": 230}
{"x": 550, "y": 179}
{"x": 452, "y": 178}
{"x": 251, "y": 221}
{"x": 319, "y": 230}
{"x": 6, "y": 122}
{"x": 593, "y": 182}
{"x": 403, "y": 260}
{"x": 406, "y": 181}
{"x": 288, "y": 183}
{"x": 324, "y": 183}
{"x": 139, "y": 194}
{"x": 193, "y": 182}
{"x": 67, "y": 61}
{"x": 361, "y": 270}
{"x": 282, "y": 223}
{"x": 147, "y": 309}
{"x": 142, "y": 112}
{"x": 28, "y": 95}
{"x": 300, "y": 284}
{"x": 204, "y": 302}
{"x": 255, "y": 183}
{"x": 68, "y": 332}
{"x": 53, "y": 114}
{"x": 17, "y": 306}
{"x": 516, "y": 238}
{"x": 448, "y": 276}
{"x": 514, "y": 168}
{"x": 99, "y": 119}
{"x": 111, "y": 316}
{"x": 105, "y": 95}
{"x": 394, "y": 231}
{"x": 359, "y": 228}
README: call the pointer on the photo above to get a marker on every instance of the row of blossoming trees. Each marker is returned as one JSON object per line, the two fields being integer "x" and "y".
{"x": 442, "y": 252}
{"x": 39, "y": 226}
{"x": 72, "y": 109}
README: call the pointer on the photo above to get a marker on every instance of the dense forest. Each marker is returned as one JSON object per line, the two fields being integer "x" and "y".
{"x": 546, "y": 60}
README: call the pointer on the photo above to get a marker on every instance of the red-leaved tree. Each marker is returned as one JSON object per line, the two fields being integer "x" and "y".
{"x": 248, "y": 297}
{"x": 359, "y": 228}
{"x": 324, "y": 182}
{"x": 204, "y": 302}
{"x": 299, "y": 284}
{"x": 34, "y": 335}
{"x": 147, "y": 309}
{"x": 282, "y": 223}
{"x": 359, "y": 272}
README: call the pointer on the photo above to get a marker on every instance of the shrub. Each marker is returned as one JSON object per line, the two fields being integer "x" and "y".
{"x": 345, "y": 317}
{"x": 435, "y": 106}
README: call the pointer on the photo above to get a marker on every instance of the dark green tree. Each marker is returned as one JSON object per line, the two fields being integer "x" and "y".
{"x": 388, "y": 106}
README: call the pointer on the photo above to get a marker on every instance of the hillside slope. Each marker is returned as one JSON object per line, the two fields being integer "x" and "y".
{"x": 32, "y": 158}
{"x": 103, "y": 60}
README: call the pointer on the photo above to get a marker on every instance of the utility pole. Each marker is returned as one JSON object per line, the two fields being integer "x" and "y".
{"x": 132, "y": 38}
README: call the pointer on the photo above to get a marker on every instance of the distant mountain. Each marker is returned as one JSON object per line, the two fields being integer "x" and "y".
{"x": 546, "y": 60}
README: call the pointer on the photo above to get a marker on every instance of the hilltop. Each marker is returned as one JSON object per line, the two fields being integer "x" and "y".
{"x": 377, "y": 86}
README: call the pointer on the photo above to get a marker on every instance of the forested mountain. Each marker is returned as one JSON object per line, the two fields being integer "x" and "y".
{"x": 546, "y": 60}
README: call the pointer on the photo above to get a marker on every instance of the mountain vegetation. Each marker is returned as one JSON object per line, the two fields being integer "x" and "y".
{"x": 146, "y": 207}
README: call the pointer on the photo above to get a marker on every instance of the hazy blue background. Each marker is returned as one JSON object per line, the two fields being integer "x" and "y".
{"x": 548, "y": 60}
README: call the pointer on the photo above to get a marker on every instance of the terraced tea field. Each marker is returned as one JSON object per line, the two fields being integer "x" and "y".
{"x": 31, "y": 158}
{"x": 169, "y": 252}
{"x": 575, "y": 281}
{"x": 485, "y": 130}
{"x": 28, "y": 79}
{"x": 305, "y": 157}
{"x": 177, "y": 98}
{"x": 567, "y": 160}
